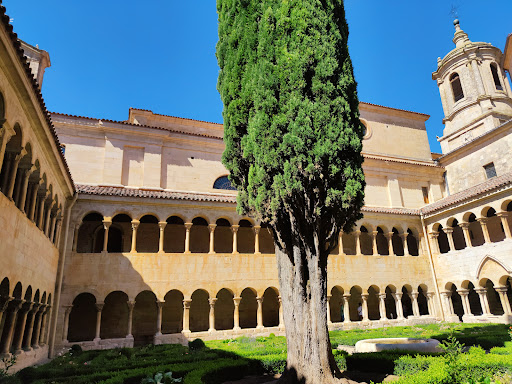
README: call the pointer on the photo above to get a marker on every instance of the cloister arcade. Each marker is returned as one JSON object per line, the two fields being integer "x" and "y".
{"x": 95, "y": 233}
{"x": 26, "y": 184}
{"x": 146, "y": 317}
{"x": 24, "y": 318}
{"x": 488, "y": 224}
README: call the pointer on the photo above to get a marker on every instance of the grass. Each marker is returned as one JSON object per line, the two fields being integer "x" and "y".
{"x": 224, "y": 360}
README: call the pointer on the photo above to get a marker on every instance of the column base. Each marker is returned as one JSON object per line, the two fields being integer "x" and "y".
{"x": 212, "y": 253}
{"x": 28, "y": 349}
{"x": 35, "y": 346}
{"x": 211, "y": 330}
{"x": 5, "y": 355}
{"x": 97, "y": 339}
{"x": 19, "y": 352}
{"x": 237, "y": 329}
{"x": 158, "y": 334}
{"x": 260, "y": 327}
{"x": 130, "y": 337}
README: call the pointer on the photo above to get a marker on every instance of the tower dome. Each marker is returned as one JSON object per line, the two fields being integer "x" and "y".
{"x": 475, "y": 91}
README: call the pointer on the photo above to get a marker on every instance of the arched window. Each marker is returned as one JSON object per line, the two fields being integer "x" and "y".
{"x": 496, "y": 78}
{"x": 223, "y": 183}
{"x": 458, "y": 93}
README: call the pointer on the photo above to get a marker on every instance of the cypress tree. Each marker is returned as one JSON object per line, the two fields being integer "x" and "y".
{"x": 293, "y": 148}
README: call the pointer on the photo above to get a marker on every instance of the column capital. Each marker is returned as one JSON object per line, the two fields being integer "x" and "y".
{"x": 186, "y": 303}
{"x": 67, "y": 309}
{"x": 463, "y": 292}
{"x": 503, "y": 214}
{"x": 398, "y": 295}
{"x": 237, "y": 300}
{"x": 162, "y": 224}
{"x": 346, "y": 296}
{"x": 446, "y": 294}
{"x": 414, "y": 295}
{"x": 364, "y": 296}
{"x": 212, "y": 301}
{"x": 135, "y": 224}
{"x": 434, "y": 235}
{"x": 464, "y": 225}
{"x": 374, "y": 233}
{"x": 382, "y": 296}
{"x": 234, "y": 228}
{"x": 403, "y": 235}
{"x": 256, "y": 229}
{"x": 483, "y": 220}
{"x": 131, "y": 304}
{"x": 430, "y": 295}
{"x": 448, "y": 230}
{"x": 159, "y": 303}
{"x": 259, "y": 299}
{"x": 107, "y": 222}
{"x": 388, "y": 235}
{"x": 99, "y": 306}
{"x": 357, "y": 233}
{"x": 501, "y": 289}
{"x": 211, "y": 227}
{"x": 481, "y": 290}
{"x": 188, "y": 226}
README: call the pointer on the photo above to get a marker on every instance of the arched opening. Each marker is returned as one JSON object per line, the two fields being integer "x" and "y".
{"x": 442, "y": 240}
{"x": 509, "y": 218}
{"x": 373, "y": 303}
{"x": 366, "y": 241}
{"x": 266, "y": 240}
{"x": 90, "y": 240}
{"x": 174, "y": 235}
{"x": 474, "y": 300}
{"x": 4, "y": 288}
{"x": 509, "y": 290}
{"x": 270, "y": 308}
{"x": 494, "y": 226}
{"x": 223, "y": 236}
{"x": 422, "y": 300}
{"x": 349, "y": 243}
{"x": 458, "y": 308}
{"x": 412, "y": 243}
{"x": 382, "y": 242}
{"x": 148, "y": 234}
{"x": 172, "y": 312}
{"x": 199, "y": 236}
{"x": 82, "y": 319}
{"x": 199, "y": 311}
{"x": 406, "y": 302}
{"x": 496, "y": 77}
{"x": 458, "y": 93}
{"x": 458, "y": 235}
{"x": 224, "y": 310}
{"x": 245, "y": 237}
{"x": 475, "y": 231}
{"x": 21, "y": 173}
{"x": 493, "y": 298}
{"x": 223, "y": 183}
{"x": 144, "y": 318}
{"x": 390, "y": 302}
{"x": 114, "y": 316}
{"x": 355, "y": 303}
{"x": 398, "y": 245}
{"x": 12, "y": 149}
{"x": 120, "y": 234}
{"x": 248, "y": 309}
{"x": 336, "y": 305}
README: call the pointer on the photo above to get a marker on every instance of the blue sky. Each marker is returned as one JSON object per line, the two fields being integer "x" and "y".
{"x": 110, "y": 55}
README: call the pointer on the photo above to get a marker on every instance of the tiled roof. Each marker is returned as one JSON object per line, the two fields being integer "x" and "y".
{"x": 4, "y": 21}
{"x": 467, "y": 194}
{"x": 392, "y": 211}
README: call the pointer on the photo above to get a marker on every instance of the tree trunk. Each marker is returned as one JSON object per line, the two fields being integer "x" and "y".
{"x": 303, "y": 285}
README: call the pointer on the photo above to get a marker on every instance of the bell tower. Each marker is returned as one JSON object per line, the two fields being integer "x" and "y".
{"x": 475, "y": 91}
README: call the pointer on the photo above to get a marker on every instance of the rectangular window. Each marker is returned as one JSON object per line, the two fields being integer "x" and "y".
{"x": 490, "y": 171}
{"x": 425, "y": 194}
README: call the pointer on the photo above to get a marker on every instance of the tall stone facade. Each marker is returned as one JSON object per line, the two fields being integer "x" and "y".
{"x": 141, "y": 242}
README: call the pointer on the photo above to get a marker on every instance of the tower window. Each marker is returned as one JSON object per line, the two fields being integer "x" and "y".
{"x": 490, "y": 170}
{"x": 458, "y": 93}
{"x": 497, "y": 82}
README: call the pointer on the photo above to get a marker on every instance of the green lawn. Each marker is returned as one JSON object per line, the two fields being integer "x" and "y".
{"x": 224, "y": 360}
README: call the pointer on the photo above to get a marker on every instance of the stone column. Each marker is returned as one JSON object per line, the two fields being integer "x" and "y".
{"x": 374, "y": 243}
{"x": 211, "y": 228}
{"x": 398, "y": 303}
{"x": 99, "y": 308}
{"x": 5, "y": 135}
{"x": 186, "y": 315}
{"x": 382, "y": 306}
{"x": 135, "y": 226}
{"x": 448, "y": 302}
{"x": 256, "y": 230}
{"x": 415, "y": 306}
{"x": 44, "y": 322}
{"x": 65, "y": 328}
{"x": 53, "y": 223}
{"x": 329, "y": 322}
{"x": 403, "y": 236}
{"x": 430, "y": 304}
{"x": 30, "y": 327}
{"x": 482, "y": 293}
{"x": 357, "y": 235}
{"x": 236, "y": 313}
{"x": 341, "y": 251}
{"x": 449, "y": 234}
{"x": 46, "y": 229}
{"x": 234, "y": 229}
{"x": 346, "y": 308}
{"x": 434, "y": 242}
{"x": 389, "y": 237}
{"x": 281, "y": 314}
{"x": 4, "y": 302}
{"x": 58, "y": 231}
{"x": 33, "y": 200}
{"x": 107, "y": 222}
{"x": 9, "y": 326}
{"x": 14, "y": 171}
{"x": 9, "y": 157}
{"x": 159, "y": 318}
{"x": 364, "y": 298}
{"x": 483, "y": 223}
{"x": 21, "y": 323}
{"x": 161, "y": 226}
{"x": 212, "y": 314}
{"x": 467, "y": 237}
{"x": 464, "y": 295}
{"x": 75, "y": 237}
{"x": 40, "y": 211}
{"x": 259, "y": 314}
{"x": 37, "y": 326}
{"x": 502, "y": 291}
{"x": 504, "y": 216}
{"x": 131, "y": 306}
{"x": 188, "y": 226}
{"x": 24, "y": 187}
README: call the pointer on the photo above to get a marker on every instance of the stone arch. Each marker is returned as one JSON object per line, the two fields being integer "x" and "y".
{"x": 355, "y": 301}
{"x": 412, "y": 243}
{"x": 18, "y": 291}
{"x": 458, "y": 308}
{"x": 88, "y": 240}
{"x": 223, "y": 182}
{"x": 120, "y": 234}
{"x": 114, "y": 316}
{"x": 37, "y": 296}
{"x": 493, "y": 298}
{"x": 492, "y": 268}
{"x": 475, "y": 230}
{"x": 245, "y": 236}
{"x": 199, "y": 311}
{"x": 28, "y": 294}
{"x": 223, "y": 236}
{"x": 174, "y": 235}
{"x": 365, "y": 240}
{"x": 396, "y": 240}
{"x": 82, "y": 318}
{"x": 271, "y": 307}
{"x": 5, "y": 290}
{"x": 422, "y": 299}
{"x": 148, "y": 234}
{"x": 373, "y": 303}
{"x": 382, "y": 241}
{"x": 224, "y": 310}
{"x": 474, "y": 300}
{"x": 336, "y": 304}
{"x": 406, "y": 301}
{"x": 12, "y": 149}
{"x": 266, "y": 239}
{"x": 390, "y": 302}
{"x": 199, "y": 236}
{"x": 248, "y": 308}
{"x": 349, "y": 243}
{"x": 172, "y": 312}
{"x": 144, "y": 318}
{"x": 458, "y": 234}
{"x": 494, "y": 225}
{"x": 442, "y": 240}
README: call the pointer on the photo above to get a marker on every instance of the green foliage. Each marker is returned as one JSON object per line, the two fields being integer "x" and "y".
{"x": 196, "y": 345}
{"x": 291, "y": 120}
{"x": 75, "y": 349}
{"x": 8, "y": 363}
{"x": 161, "y": 378}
